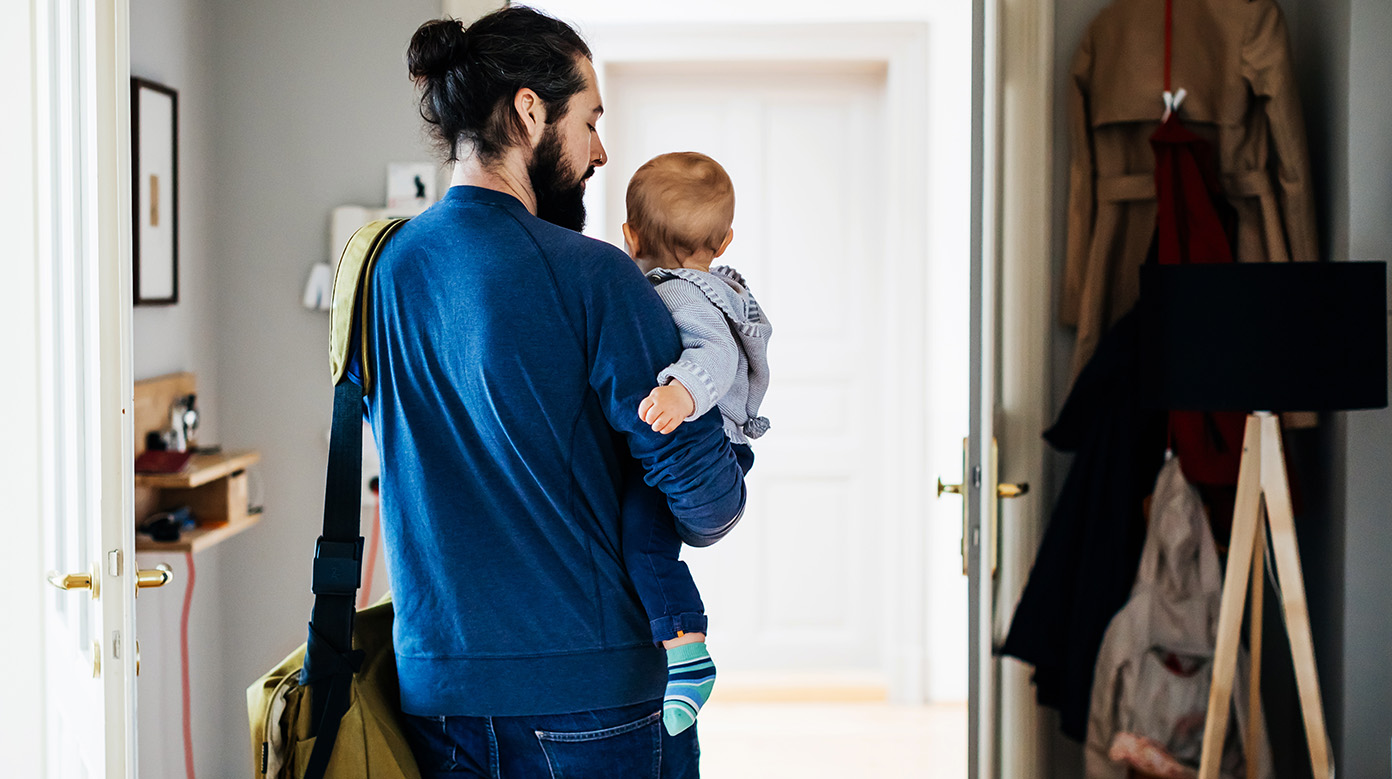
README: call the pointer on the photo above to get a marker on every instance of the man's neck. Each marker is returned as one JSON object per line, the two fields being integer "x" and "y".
{"x": 692, "y": 263}
{"x": 508, "y": 176}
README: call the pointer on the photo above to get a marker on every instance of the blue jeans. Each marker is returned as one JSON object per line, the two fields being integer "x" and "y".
{"x": 628, "y": 742}
{"x": 651, "y": 552}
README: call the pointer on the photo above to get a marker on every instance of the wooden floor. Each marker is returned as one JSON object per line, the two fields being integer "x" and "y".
{"x": 744, "y": 740}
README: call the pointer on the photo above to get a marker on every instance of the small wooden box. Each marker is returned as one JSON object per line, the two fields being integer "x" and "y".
{"x": 214, "y": 504}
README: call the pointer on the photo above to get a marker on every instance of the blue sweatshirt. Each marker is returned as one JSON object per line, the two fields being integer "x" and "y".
{"x": 511, "y": 356}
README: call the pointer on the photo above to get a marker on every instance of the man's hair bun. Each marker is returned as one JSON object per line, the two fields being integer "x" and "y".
{"x": 468, "y": 79}
{"x": 435, "y": 48}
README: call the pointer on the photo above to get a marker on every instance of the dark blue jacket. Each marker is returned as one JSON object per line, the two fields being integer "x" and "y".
{"x": 511, "y": 356}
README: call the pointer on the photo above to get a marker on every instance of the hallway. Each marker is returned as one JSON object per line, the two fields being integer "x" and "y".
{"x": 744, "y": 740}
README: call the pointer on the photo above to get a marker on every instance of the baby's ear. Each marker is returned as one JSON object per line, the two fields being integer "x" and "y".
{"x": 630, "y": 241}
{"x": 725, "y": 244}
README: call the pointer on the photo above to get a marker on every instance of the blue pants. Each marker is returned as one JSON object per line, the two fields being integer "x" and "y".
{"x": 651, "y": 551}
{"x": 628, "y": 742}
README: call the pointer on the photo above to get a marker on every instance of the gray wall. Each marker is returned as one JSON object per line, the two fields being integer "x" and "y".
{"x": 1367, "y": 630}
{"x": 169, "y": 44}
{"x": 314, "y": 102}
{"x": 1343, "y": 64}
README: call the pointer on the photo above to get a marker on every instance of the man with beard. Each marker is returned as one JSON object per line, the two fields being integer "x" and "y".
{"x": 512, "y": 354}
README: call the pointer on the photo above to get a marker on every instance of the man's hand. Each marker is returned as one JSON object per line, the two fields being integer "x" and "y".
{"x": 666, "y": 407}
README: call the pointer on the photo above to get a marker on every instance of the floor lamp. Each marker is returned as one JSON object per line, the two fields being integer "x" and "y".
{"x": 1277, "y": 337}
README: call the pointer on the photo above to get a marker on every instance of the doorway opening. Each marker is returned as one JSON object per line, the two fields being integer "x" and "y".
{"x": 838, "y": 608}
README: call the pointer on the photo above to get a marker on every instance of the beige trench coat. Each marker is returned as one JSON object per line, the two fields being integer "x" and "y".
{"x": 1233, "y": 58}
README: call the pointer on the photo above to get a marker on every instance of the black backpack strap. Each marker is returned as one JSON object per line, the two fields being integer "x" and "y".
{"x": 338, "y": 552}
{"x": 330, "y": 660}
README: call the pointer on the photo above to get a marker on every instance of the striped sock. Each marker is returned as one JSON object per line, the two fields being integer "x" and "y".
{"x": 690, "y": 678}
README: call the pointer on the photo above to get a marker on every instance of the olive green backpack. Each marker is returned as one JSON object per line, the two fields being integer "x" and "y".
{"x": 331, "y": 709}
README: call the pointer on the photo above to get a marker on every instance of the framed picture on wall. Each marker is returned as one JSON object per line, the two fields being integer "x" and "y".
{"x": 155, "y": 192}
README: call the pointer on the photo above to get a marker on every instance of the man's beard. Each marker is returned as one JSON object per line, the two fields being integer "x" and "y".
{"x": 560, "y": 192}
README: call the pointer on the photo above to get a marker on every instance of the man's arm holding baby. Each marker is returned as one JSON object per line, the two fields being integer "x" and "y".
{"x": 629, "y": 336}
{"x": 705, "y": 371}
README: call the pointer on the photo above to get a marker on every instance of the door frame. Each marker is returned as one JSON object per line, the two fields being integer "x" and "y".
{"x": 1013, "y": 261}
{"x": 902, "y": 52}
{"x": 116, "y": 390}
{"x": 1026, "y": 326}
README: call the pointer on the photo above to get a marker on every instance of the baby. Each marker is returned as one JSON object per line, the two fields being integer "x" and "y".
{"x": 680, "y": 207}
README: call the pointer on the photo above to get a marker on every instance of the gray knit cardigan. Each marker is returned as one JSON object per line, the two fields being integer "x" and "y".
{"x": 724, "y": 332}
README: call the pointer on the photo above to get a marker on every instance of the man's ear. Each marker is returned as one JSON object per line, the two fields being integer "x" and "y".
{"x": 531, "y": 112}
{"x": 730, "y": 236}
{"x": 631, "y": 241}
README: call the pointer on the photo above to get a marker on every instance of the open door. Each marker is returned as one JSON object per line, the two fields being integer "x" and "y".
{"x": 77, "y": 397}
{"x": 1010, "y": 402}
{"x": 979, "y": 466}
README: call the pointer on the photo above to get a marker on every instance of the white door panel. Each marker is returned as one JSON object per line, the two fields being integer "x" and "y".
{"x": 82, "y": 369}
{"x": 797, "y": 586}
{"x": 1010, "y": 324}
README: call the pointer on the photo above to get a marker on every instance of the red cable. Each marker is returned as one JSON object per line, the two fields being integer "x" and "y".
{"x": 183, "y": 649}
{"x": 366, "y": 592}
{"x": 1169, "y": 24}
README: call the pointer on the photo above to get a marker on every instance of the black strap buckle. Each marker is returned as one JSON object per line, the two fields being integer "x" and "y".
{"x": 337, "y": 567}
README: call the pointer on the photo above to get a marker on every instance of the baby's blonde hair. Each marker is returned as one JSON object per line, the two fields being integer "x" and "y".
{"x": 680, "y": 204}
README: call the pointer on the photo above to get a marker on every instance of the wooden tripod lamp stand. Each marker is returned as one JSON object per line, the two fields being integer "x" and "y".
{"x": 1277, "y": 337}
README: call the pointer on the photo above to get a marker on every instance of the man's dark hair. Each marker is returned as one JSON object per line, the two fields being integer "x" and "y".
{"x": 468, "y": 77}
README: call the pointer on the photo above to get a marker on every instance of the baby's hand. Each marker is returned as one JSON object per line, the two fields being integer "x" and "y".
{"x": 667, "y": 407}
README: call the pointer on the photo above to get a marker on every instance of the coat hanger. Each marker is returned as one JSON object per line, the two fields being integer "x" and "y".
{"x": 1172, "y": 99}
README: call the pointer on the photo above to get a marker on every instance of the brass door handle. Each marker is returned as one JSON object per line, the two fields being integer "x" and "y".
{"x": 1012, "y": 490}
{"x": 158, "y": 576}
{"x": 77, "y": 581}
{"x": 1002, "y": 490}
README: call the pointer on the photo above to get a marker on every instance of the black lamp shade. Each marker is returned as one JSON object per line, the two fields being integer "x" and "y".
{"x": 1265, "y": 336}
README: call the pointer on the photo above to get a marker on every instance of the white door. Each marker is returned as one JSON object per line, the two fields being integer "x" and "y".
{"x": 797, "y": 587}
{"x": 77, "y": 404}
{"x": 848, "y": 158}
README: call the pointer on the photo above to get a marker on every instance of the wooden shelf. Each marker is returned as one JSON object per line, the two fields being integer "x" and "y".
{"x": 212, "y": 486}
{"x": 202, "y": 469}
{"x": 198, "y": 539}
